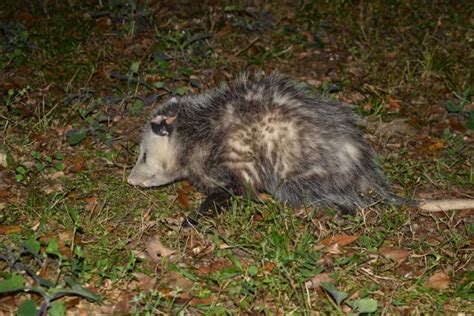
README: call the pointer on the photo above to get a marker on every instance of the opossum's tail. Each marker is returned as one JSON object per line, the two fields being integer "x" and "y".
{"x": 445, "y": 205}
{"x": 434, "y": 205}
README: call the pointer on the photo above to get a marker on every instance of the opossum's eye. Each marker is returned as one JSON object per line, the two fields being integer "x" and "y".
{"x": 144, "y": 157}
{"x": 164, "y": 127}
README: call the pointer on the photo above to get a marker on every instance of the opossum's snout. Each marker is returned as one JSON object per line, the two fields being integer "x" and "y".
{"x": 147, "y": 181}
{"x": 133, "y": 180}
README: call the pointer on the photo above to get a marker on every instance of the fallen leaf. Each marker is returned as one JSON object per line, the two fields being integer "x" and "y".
{"x": 183, "y": 195}
{"x": 367, "y": 107}
{"x": 24, "y": 18}
{"x": 10, "y": 229}
{"x": 342, "y": 240}
{"x": 398, "y": 126}
{"x": 145, "y": 282}
{"x": 56, "y": 175}
{"x": 354, "y": 295}
{"x": 436, "y": 146}
{"x": 309, "y": 37}
{"x": 5, "y": 194}
{"x": 456, "y": 125}
{"x": 391, "y": 56}
{"x": 3, "y": 159}
{"x": 346, "y": 309}
{"x": 197, "y": 250}
{"x": 174, "y": 280}
{"x": 72, "y": 302}
{"x": 315, "y": 282}
{"x": 333, "y": 249}
{"x": 269, "y": 266}
{"x": 223, "y": 245}
{"x": 214, "y": 266}
{"x": 118, "y": 306}
{"x": 77, "y": 164}
{"x": 438, "y": 281}
{"x": 203, "y": 301}
{"x": 264, "y": 197}
{"x": 393, "y": 104}
{"x": 226, "y": 30}
{"x": 35, "y": 226}
{"x": 48, "y": 189}
{"x": 396, "y": 254}
{"x": 91, "y": 203}
{"x": 155, "y": 247}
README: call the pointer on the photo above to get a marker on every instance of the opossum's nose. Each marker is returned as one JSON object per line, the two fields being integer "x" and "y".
{"x": 133, "y": 180}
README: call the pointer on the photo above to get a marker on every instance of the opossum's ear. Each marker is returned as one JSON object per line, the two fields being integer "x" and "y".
{"x": 162, "y": 125}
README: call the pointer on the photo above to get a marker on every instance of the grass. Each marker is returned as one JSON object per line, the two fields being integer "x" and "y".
{"x": 70, "y": 130}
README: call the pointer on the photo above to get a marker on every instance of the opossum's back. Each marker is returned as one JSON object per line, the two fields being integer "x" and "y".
{"x": 286, "y": 138}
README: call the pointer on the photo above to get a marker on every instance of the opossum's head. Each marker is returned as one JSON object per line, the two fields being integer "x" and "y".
{"x": 157, "y": 162}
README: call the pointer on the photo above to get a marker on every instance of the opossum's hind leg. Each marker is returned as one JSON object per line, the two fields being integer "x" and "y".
{"x": 347, "y": 209}
{"x": 212, "y": 205}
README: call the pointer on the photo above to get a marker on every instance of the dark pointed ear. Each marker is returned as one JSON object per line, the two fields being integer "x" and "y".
{"x": 162, "y": 125}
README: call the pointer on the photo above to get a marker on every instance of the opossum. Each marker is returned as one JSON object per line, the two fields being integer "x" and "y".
{"x": 262, "y": 134}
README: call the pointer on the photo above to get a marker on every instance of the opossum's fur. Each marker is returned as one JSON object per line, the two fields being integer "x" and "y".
{"x": 262, "y": 134}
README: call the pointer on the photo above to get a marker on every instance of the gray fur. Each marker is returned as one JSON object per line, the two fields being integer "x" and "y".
{"x": 262, "y": 134}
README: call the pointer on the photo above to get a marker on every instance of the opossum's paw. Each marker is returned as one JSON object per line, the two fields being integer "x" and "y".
{"x": 212, "y": 205}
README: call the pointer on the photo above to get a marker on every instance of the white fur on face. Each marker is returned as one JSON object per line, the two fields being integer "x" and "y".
{"x": 156, "y": 164}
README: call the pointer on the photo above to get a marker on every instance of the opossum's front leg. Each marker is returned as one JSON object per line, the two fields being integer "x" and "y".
{"x": 211, "y": 206}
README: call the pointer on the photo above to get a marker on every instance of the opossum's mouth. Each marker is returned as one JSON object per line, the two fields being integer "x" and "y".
{"x": 153, "y": 181}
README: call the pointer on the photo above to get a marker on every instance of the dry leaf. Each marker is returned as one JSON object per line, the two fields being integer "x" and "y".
{"x": 198, "y": 250}
{"x": 264, "y": 197}
{"x": 24, "y": 17}
{"x": 456, "y": 125}
{"x": 346, "y": 309}
{"x": 396, "y": 254}
{"x": 56, "y": 175}
{"x": 436, "y": 146}
{"x": 391, "y": 56}
{"x": 223, "y": 245}
{"x": 3, "y": 159}
{"x": 398, "y": 126}
{"x": 35, "y": 226}
{"x": 48, "y": 189}
{"x": 367, "y": 107}
{"x": 145, "y": 282}
{"x": 315, "y": 282}
{"x": 77, "y": 164}
{"x": 91, "y": 203}
{"x": 269, "y": 266}
{"x": 5, "y": 194}
{"x": 155, "y": 248}
{"x": 214, "y": 266}
{"x": 183, "y": 195}
{"x": 309, "y": 37}
{"x": 10, "y": 229}
{"x": 393, "y": 105}
{"x": 174, "y": 280}
{"x": 118, "y": 306}
{"x": 203, "y": 301}
{"x": 341, "y": 240}
{"x": 439, "y": 281}
{"x": 333, "y": 249}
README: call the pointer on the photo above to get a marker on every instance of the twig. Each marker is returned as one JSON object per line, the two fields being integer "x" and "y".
{"x": 195, "y": 38}
{"x": 247, "y": 46}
